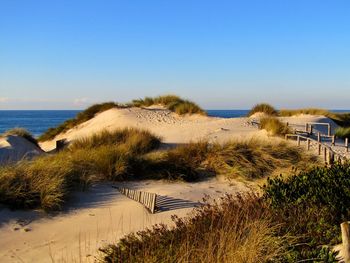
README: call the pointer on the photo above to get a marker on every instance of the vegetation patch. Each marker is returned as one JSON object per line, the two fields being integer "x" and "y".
{"x": 343, "y": 132}
{"x": 83, "y": 116}
{"x": 171, "y": 102}
{"x": 264, "y": 108}
{"x": 342, "y": 119}
{"x": 22, "y": 133}
{"x": 296, "y": 219}
{"x": 274, "y": 126}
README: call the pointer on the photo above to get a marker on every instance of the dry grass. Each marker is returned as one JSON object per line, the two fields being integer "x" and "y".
{"x": 171, "y": 102}
{"x": 274, "y": 126}
{"x": 22, "y": 133}
{"x": 236, "y": 230}
{"x": 342, "y": 119}
{"x": 83, "y": 116}
{"x": 343, "y": 132}
{"x": 263, "y": 107}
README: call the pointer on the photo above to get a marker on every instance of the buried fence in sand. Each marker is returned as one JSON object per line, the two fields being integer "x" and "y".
{"x": 148, "y": 200}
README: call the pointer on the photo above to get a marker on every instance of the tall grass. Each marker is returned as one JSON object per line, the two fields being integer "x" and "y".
{"x": 83, "y": 116}
{"x": 274, "y": 126}
{"x": 264, "y": 108}
{"x": 22, "y": 133}
{"x": 171, "y": 102}
{"x": 342, "y": 119}
{"x": 295, "y": 220}
{"x": 46, "y": 181}
{"x": 237, "y": 230}
{"x": 343, "y": 132}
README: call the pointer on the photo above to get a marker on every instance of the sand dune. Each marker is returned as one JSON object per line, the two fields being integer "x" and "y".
{"x": 14, "y": 148}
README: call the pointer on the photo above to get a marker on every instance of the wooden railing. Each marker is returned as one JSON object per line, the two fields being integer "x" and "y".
{"x": 329, "y": 155}
{"x": 148, "y": 200}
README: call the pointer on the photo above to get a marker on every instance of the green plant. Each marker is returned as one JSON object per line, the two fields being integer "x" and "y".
{"x": 264, "y": 108}
{"x": 274, "y": 126}
{"x": 22, "y": 133}
{"x": 343, "y": 132}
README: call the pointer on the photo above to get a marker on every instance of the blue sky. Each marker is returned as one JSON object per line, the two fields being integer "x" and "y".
{"x": 221, "y": 54}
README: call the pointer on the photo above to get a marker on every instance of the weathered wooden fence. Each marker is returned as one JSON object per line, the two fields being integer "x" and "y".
{"x": 329, "y": 155}
{"x": 148, "y": 200}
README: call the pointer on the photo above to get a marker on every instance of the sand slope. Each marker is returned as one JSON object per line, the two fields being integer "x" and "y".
{"x": 14, "y": 148}
{"x": 99, "y": 216}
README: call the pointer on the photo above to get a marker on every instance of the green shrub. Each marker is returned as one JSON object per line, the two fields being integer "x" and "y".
{"x": 274, "y": 126}
{"x": 264, "y": 108}
{"x": 343, "y": 133}
{"x": 171, "y": 102}
{"x": 83, "y": 116}
{"x": 22, "y": 133}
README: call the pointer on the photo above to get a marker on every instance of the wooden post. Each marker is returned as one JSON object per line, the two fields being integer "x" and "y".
{"x": 298, "y": 140}
{"x": 311, "y": 129}
{"x": 333, "y": 140}
{"x": 347, "y": 144}
{"x": 306, "y": 127}
{"x": 154, "y": 203}
{"x": 325, "y": 154}
{"x": 308, "y": 144}
{"x": 329, "y": 130}
{"x": 319, "y": 137}
{"x": 331, "y": 157}
{"x": 345, "y": 236}
{"x": 319, "y": 148}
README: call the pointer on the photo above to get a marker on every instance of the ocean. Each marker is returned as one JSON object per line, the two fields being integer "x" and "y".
{"x": 38, "y": 121}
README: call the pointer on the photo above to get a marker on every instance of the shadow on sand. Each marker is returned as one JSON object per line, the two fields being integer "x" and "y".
{"x": 167, "y": 203}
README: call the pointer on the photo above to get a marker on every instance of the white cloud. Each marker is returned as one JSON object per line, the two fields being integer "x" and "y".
{"x": 81, "y": 101}
{"x": 4, "y": 99}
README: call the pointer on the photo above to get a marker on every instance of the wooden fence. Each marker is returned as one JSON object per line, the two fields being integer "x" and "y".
{"x": 329, "y": 155}
{"x": 148, "y": 200}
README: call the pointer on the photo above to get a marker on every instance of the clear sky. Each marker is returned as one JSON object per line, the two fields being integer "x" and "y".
{"x": 68, "y": 54}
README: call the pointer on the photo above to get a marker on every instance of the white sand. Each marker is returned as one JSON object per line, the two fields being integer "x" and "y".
{"x": 99, "y": 216}
{"x": 14, "y": 148}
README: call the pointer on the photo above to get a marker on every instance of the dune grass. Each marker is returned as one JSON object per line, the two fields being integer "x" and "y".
{"x": 171, "y": 102}
{"x": 342, "y": 119}
{"x": 46, "y": 181}
{"x": 83, "y": 116}
{"x": 238, "y": 230}
{"x": 274, "y": 126}
{"x": 22, "y": 133}
{"x": 343, "y": 132}
{"x": 264, "y": 108}
{"x": 296, "y": 219}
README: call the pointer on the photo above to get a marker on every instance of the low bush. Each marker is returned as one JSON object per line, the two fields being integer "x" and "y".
{"x": 22, "y": 133}
{"x": 343, "y": 132}
{"x": 171, "y": 102}
{"x": 83, "y": 116}
{"x": 237, "y": 230}
{"x": 264, "y": 108}
{"x": 274, "y": 126}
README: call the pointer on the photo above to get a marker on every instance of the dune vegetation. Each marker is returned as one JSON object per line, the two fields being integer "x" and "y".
{"x": 343, "y": 132}
{"x": 342, "y": 119}
{"x": 128, "y": 154}
{"x": 22, "y": 133}
{"x": 83, "y": 116}
{"x": 296, "y": 219}
{"x": 274, "y": 126}
{"x": 263, "y": 108}
{"x": 172, "y": 103}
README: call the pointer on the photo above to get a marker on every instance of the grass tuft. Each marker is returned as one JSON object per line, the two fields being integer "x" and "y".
{"x": 263, "y": 107}
{"x": 83, "y": 116}
{"x": 274, "y": 126}
{"x": 22, "y": 133}
{"x": 171, "y": 102}
{"x": 343, "y": 132}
